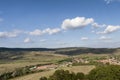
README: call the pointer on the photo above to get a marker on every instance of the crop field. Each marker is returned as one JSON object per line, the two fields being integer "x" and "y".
{"x": 84, "y": 69}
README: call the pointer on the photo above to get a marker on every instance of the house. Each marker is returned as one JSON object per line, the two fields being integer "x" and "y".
{"x": 110, "y": 61}
{"x": 80, "y": 60}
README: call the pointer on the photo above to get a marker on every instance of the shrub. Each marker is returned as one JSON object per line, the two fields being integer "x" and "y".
{"x": 109, "y": 72}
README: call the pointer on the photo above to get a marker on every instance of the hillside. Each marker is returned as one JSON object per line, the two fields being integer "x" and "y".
{"x": 77, "y": 51}
{"x": 12, "y": 58}
{"x": 38, "y": 53}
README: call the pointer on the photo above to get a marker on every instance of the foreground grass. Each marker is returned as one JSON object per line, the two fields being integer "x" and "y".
{"x": 85, "y": 69}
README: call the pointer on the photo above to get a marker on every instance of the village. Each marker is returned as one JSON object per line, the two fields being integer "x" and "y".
{"x": 79, "y": 61}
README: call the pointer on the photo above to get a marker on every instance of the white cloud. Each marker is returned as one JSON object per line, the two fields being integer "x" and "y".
{"x": 51, "y": 31}
{"x": 77, "y": 22}
{"x": 9, "y": 34}
{"x": 105, "y": 38}
{"x": 96, "y": 25}
{"x": 84, "y": 38}
{"x": 27, "y": 40}
{"x": 110, "y": 29}
{"x": 38, "y": 32}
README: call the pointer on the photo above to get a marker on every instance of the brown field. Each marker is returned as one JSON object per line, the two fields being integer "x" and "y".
{"x": 85, "y": 69}
{"x": 32, "y": 58}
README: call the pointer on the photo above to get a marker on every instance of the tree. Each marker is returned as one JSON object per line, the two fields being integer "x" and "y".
{"x": 64, "y": 75}
{"x": 80, "y": 76}
{"x": 109, "y": 72}
{"x": 6, "y": 76}
{"x": 43, "y": 78}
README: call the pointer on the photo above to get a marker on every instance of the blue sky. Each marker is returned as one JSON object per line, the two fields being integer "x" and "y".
{"x": 59, "y": 23}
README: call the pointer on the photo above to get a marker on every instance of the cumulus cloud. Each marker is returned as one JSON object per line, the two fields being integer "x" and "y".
{"x": 110, "y": 29}
{"x": 77, "y": 22}
{"x": 84, "y": 38}
{"x": 27, "y": 40}
{"x": 51, "y": 31}
{"x": 6, "y": 34}
{"x": 38, "y": 32}
{"x": 105, "y": 38}
{"x": 96, "y": 25}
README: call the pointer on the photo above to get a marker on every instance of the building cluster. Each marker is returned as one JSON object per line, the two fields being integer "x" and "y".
{"x": 111, "y": 61}
{"x": 80, "y": 60}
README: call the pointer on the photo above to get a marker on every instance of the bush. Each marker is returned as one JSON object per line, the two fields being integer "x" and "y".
{"x": 105, "y": 72}
{"x": 65, "y": 75}
{"x": 80, "y": 76}
{"x": 109, "y": 72}
{"x": 43, "y": 78}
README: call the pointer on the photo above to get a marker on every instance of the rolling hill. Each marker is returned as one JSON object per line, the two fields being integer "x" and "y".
{"x": 33, "y": 53}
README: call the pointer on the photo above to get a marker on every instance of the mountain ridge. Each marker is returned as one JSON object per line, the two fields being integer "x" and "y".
{"x": 26, "y": 53}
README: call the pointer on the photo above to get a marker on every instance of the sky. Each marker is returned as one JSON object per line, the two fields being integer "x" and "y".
{"x": 59, "y": 23}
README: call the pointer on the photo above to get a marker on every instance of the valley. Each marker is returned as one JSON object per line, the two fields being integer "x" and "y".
{"x": 50, "y": 60}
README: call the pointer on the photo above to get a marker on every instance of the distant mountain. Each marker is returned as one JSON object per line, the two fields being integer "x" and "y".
{"x": 67, "y": 50}
{"x": 25, "y": 49}
{"x": 77, "y": 51}
{"x": 24, "y": 53}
